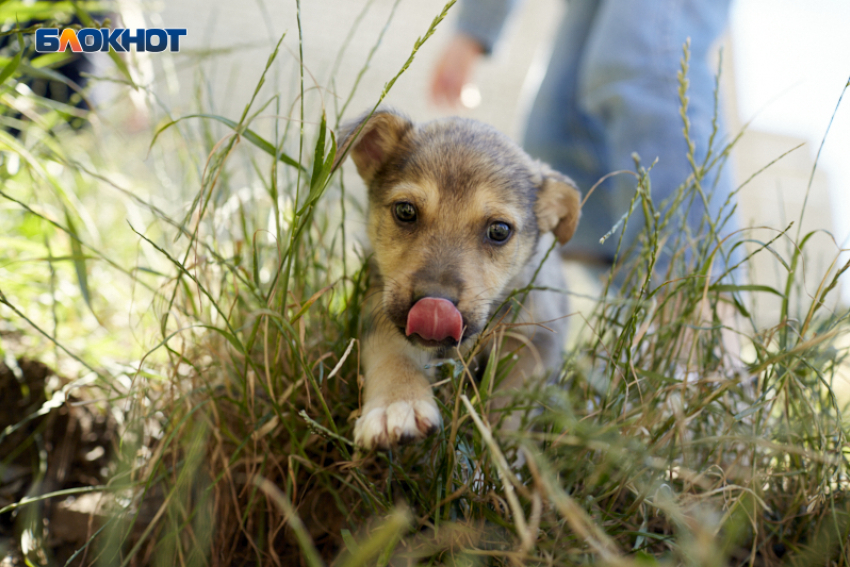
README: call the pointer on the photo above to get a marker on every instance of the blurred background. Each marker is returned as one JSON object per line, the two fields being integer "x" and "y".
{"x": 785, "y": 64}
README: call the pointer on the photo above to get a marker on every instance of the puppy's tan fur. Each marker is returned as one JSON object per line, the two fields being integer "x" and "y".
{"x": 461, "y": 176}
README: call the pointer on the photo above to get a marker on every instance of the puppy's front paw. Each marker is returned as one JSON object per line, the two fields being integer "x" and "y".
{"x": 396, "y": 424}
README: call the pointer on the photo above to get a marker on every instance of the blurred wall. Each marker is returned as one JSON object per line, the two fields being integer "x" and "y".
{"x": 242, "y": 35}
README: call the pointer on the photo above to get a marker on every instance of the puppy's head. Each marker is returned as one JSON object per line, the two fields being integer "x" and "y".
{"x": 455, "y": 213}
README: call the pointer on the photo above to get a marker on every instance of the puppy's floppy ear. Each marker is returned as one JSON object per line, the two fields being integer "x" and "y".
{"x": 558, "y": 204}
{"x": 371, "y": 145}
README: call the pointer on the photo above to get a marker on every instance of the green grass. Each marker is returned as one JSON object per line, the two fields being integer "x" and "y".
{"x": 220, "y": 329}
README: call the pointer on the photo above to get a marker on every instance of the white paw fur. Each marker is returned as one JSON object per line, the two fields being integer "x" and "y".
{"x": 398, "y": 423}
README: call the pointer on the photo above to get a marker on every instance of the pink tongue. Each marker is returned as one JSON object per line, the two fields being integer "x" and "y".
{"x": 434, "y": 319}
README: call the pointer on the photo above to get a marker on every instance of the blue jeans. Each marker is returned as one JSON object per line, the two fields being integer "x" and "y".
{"x": 611, "y": 90}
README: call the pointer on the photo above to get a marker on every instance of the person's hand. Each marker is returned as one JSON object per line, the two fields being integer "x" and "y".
{"x": 454, "y": 69}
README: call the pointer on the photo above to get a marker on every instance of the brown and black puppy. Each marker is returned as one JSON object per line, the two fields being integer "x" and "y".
{"x": 459, "y": 216}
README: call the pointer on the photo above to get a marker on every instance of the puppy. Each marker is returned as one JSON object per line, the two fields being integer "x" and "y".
{"x": 459, "y": 216}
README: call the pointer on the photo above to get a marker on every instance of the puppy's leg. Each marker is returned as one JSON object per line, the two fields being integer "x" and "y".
{"x": 539, "y": 343}
{"x": 398, "y": 405}
{"x": 538, "y": 357}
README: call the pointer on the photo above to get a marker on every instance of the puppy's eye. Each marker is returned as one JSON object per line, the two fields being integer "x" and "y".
{"x": 499, "y": 232}
{"x": 405, "y": 212}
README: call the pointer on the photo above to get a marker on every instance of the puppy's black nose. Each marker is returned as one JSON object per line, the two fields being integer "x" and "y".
{"x": 435, "y": 292}
{"x": 438, "y": 281}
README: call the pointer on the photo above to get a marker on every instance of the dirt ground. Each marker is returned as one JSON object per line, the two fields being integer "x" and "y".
{"x": 48, "y": 444}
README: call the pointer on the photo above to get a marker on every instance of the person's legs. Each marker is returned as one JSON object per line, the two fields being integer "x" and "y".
{"x": 571, "y": 141}
{"x": 627, "y": 82}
